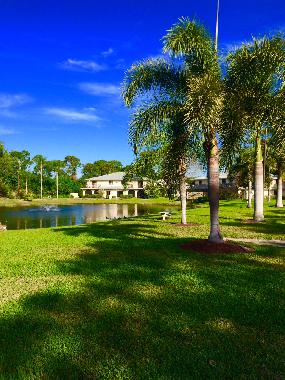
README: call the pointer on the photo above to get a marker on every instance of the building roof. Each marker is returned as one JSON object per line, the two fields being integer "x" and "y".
{"x": 118, "y": 176}
{"x": 221, "y": 176}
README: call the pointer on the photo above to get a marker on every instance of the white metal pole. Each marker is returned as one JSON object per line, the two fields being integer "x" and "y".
{"x": 217, "y": 25}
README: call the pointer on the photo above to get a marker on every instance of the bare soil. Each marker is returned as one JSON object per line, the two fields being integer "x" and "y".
{"x": 205, "y": 247}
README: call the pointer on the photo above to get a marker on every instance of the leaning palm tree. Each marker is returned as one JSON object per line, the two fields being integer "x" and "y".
{"x": 189, "y": 41}
{"x": 253, "y": 80}
{"x": 157, "y": 89}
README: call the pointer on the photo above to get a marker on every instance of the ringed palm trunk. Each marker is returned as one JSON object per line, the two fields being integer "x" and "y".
{"x": 183, "y": 199}
{"x": 258, "y": 183}
{"x": 249, "y": 202}
{"x": 213, "y": 192}
{"x": 279, "y": 202}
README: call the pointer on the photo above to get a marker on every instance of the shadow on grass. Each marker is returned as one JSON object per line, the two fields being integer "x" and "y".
{"x": 135, "y": 306}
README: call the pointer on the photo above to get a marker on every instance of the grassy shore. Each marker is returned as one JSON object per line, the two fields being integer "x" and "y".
{"x": 6, "y": 202}
{"x": 122, "y": 300}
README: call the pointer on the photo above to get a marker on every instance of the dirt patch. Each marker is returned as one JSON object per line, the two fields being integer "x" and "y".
{"x": 186, "y": 225}
{"x": 250, "y": 221}
{"x": 205, "y": 247}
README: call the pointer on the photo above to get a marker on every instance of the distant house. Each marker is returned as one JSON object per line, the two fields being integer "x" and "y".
{"x": 199, "y": 186}
{"x": 201, "y": 183}
{"x": 111, "y": 186}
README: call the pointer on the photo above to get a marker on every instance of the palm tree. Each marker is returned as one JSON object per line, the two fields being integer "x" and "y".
{"x": 161, "y": 119}
{"x": 253, "y": 79}
{"x": 204, "y": 99}
{"x": 276, "y": 150}
{"x": 39, "y": 162}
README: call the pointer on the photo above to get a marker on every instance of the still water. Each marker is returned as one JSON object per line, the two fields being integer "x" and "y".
{"x": 54, "y": 216}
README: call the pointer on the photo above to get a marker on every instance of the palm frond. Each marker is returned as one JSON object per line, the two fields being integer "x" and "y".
{"x": 157, "y": 75}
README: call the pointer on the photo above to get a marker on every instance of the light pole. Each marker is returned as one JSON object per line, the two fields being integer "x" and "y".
{"x": 217, "y": 25}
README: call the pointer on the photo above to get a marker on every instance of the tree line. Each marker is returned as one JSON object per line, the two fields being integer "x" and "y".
{"x": 24, "y": 176}
{"x": 193, "y": 104}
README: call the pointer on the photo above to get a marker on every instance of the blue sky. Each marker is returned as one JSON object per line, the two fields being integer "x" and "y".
{"x": 62, "y": 62}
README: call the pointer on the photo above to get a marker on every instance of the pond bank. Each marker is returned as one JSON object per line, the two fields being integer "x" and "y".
{"x": 6, "y": 202}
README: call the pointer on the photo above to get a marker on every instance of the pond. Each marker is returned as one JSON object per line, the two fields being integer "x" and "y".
{"x": 54, "y": 216}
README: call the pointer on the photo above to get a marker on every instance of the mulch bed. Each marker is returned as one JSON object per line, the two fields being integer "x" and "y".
{"x": 205, "y": 247}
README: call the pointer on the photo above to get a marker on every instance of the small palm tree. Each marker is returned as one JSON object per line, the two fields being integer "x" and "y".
{"x": 157, "y": 88}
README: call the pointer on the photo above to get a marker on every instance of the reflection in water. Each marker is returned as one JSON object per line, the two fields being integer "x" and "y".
{"x": 53, "y": 216}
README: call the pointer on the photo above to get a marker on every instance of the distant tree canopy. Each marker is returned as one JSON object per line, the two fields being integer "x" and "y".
{"x": 20, "y": 174}
{"x": 101, "y": 167}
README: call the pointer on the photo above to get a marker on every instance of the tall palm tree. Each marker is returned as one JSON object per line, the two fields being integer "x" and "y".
{"x": 157, "y": 89}
{"x": 189, "y": 41}
{"x": 254, "y": 78}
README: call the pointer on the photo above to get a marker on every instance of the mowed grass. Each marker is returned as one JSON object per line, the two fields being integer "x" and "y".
{"x": 122, "y": 300}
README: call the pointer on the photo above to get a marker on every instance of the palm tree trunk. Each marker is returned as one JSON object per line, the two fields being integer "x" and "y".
{"x": 57, "y": 185}
{"x": 183, "y": 199}
{"x": 213, "y": 192}
{"x": 279, "y": 202}
{"x": 258, "y": 183}
{"x": 41, "y": 180}
{"x": 249, "y": 202}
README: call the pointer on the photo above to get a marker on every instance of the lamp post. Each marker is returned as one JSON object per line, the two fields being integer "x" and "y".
{"x": 217, "y": 25}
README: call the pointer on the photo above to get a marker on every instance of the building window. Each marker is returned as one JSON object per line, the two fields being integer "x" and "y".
{"x": 200, "y": 182}
{"x": 110, "y": 182}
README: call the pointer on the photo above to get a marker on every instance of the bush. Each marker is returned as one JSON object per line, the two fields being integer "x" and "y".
{"x": 229, "y": 193}
{"x": 203, "y": 199}
{"x": 95, "y": 196}
{"x": 28, "y": 197}
{"x": 126, "y": 196}
{"x": 4, "y": 189}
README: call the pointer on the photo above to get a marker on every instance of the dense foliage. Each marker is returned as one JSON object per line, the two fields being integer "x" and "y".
{"x": 20, "y": 174}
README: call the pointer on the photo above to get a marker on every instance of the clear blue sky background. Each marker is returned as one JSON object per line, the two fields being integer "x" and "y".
{"x": 62, "y": 62}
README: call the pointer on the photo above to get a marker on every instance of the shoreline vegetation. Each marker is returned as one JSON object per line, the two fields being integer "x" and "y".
{"x": 108, "y": 300}
{"x": 7, "y": 202}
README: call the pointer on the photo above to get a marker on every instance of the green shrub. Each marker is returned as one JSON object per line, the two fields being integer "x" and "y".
{"x": 4, "y": 189}
{"x": 28, "y": 197}
{"x": 203, "y": 199}
{"x": 229, "y": 193}
{"x": 95, "y": 196}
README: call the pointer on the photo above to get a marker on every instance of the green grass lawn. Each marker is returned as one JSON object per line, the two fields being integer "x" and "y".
{"x": 122, "y": 300}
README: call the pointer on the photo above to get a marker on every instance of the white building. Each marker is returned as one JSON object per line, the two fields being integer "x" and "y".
{"x": 201, "y": 183}
{"x": 111, "y": 186}
{"x": 200, "y": 186}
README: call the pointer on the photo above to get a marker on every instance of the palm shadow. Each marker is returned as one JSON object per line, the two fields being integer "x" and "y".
{"x": 134, "y": 305}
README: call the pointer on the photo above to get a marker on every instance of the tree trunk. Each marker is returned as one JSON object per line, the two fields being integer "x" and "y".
{"x": 249, "y": 202}
{"x": 269, "y": 195}
{"x": 279, "y": 202}
{"x": 57, "y": 185}
{"x": 213, "y": 192}
{"x": 26, "y": 191}
{"x": 183, "y": 199}
{"x": 41, "y": 180}
{"x": 258, "y": 184}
